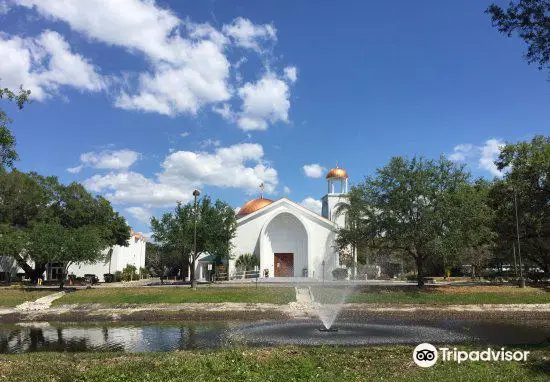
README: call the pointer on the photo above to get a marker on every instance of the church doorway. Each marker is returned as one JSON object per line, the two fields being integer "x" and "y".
{"x": 284, "y": 264}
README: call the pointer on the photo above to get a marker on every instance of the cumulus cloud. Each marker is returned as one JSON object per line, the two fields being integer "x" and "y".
{"x": 286, "y": 190}
{"x": 489, "y": 153}
{"x": 240, "y": 166}
{"x": 312, "y": 204}
{"x": 484, "y": 155}
{"x": 135, "y": 188}
{"x": 45, "y": 63}
{"x": 461, "y": 152}
{"x": 313, "y": 170}
{"x": 265, "y": 101}
{"x": 291, "y": 73}
{"x": 141, "y": 214}
{"x": 188, "y": 65}
{"x": 248, "y": 35}
{"x": 75, "y": 170}
{"x": 109, "y": 159}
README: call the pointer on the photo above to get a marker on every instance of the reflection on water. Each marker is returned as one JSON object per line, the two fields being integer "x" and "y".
{"x": 127, "y": 338}
{"x": 151, "y": 337}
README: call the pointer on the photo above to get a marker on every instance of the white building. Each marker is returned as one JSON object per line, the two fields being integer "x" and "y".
{"x": 288, "y": 239}
{"x": 115, "y": 259}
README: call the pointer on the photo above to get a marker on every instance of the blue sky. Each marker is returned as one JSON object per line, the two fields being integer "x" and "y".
{"x": 143, "y": 101}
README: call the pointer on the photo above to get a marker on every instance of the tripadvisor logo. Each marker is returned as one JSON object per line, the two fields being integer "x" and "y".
{"x": 426, "y": 355}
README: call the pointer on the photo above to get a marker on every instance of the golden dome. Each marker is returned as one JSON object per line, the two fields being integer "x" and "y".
{"x": 253, "y": 205}
{"x": 337, "y": 173}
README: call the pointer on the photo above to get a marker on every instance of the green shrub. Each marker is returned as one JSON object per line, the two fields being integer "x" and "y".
{"x": 129, "y": 273}
{"x": 145, "y": 273}
{"x": 109, "y": 277}
{"x": 340, "y": 273}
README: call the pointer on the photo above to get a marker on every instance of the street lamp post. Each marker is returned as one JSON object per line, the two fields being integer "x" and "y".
{"x": 521, "y": 279}
{"x": 196, "y": 194}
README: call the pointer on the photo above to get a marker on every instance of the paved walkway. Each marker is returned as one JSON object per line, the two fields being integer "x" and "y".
{"x": 42, "y": 303}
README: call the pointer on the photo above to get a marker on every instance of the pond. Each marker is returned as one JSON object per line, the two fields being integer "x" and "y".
{"x": 30, "y": 337}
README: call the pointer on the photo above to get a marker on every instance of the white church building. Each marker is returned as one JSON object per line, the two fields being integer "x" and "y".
{"x": 288, "y": 239}
{"x": 115, "y": 258}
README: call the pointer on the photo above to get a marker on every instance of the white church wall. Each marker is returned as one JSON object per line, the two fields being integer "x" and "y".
{"x": 319, "y": 242}
{"x": 285, "y": 233}
{"x": 134, "y": 255}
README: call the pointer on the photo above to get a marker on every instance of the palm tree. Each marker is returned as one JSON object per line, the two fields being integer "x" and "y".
{"x": 247, "y": 262}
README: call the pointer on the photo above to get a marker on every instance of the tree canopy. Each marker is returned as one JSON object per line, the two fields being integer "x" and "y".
{"x": 527, "y": 166}
{"x": 531, "y": 20}
{"x": 417, "y": 208}
{"x": 43, "y": 221}
{"x": 216, "y": 226}
{"x": 7, "y": 141}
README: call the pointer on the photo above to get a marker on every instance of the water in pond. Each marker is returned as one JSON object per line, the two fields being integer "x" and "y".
{"x": 167, "y": 337}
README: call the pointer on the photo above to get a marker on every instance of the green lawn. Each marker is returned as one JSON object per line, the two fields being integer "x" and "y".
{"x": 264, "y": 364}
{"x": 454, "y": 295}
{"x": 174, "y": 295}
{"x": 10, "y": 297}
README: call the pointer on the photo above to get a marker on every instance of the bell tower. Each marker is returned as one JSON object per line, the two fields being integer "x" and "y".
{"x": 337, "y": 181}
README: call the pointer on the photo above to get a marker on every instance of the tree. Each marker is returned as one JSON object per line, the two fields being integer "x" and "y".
{"x": 357, "y": 233}
{"x": 247, "y": 262}
{"x": 528, "y": 179}
{"x": 411, "y": 208}
{"x": 531, "y": 20}
{"x": 7, "y": 141}
{"x": 216, "y": 226}
{"x": 43, "y": 221}
{"x": 472, "y": 239}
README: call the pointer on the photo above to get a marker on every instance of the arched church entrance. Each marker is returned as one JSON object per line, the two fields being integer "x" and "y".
{"x": 284, "y": 249}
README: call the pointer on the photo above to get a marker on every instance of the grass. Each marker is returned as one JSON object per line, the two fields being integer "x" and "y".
{"x": 446, "y": 295}
{"x": 10, "y": 297}
{"x": 175, "y": 295}
{"x": 317, "y": 364}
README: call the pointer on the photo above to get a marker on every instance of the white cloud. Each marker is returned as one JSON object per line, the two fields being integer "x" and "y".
{"x": 266, "y": 100}
{"x": 313, "y": 170}
{"x": 134, "y": 188}
{"x": 312, "y": 204}
{"x": 136, "y": 25}
{"x": 248, "y": 35}
{"x": 4, "y": 7}
{"x": 239, "y": 166}
{"x": 141, "y": 214}
{"x": 225, "y": 112}
{"x": 75, "y": 170}
{"x": 286, "y": 190}
{"x": 210, "y": 142}
{"x": 489, "y": 153}
{"x": 188, "y": 66}
{"x": 112, "y": 160}
{"x": 291, "y": 73}
{"x": 200, "y": 78}
{"x": 45, "y": 63}
{"x": 485, "y": 155}
{"x": 462, "y": 152}
{"x": 185, "y": 134}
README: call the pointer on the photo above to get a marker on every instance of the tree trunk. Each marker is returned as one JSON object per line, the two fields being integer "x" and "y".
{"x": 37, "y": 272}
{"x": 420, "y": 271}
